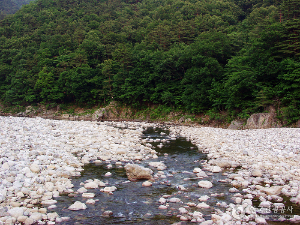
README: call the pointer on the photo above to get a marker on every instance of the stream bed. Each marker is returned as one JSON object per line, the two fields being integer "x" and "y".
{"x": 132, "y": 203}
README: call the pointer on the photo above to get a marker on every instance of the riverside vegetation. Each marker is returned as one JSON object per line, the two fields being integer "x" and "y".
{"x": 205, "y": 56}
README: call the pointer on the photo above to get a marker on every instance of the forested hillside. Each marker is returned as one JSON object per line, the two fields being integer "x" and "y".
{"x": 11, "y": 6}
{"x": 194, "y": 55}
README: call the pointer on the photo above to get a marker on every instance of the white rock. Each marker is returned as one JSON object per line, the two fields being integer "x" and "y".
{"x": 5, "y": 166}
{"x": 182, "y": 210}
{"x": 107, "y": 213}
{"x": 147, "y": 184}
{"x": 203, "y": 198}
{"x": 162, "y": 200}
{"x": 108, "y": 174}
{"x": 36, "y": 216}
{"x": 238, "y": 200}
{"x": 197, "y": 170}
{"x": 256, "y": 173}
{"x": 77, "y": 206}
{"x": 49, "y": 186}
{"x": 109, "y": 189}
{"x": 260, "y": 220}
{"x": 182, "y": 188}
{"x": 216, "y": 169}
{"x": 191, "y": 204}
{"x": 197, "y": 214}
{"x": 52, "y": 216}
{"x": 22, "y": 218}
{"x": 183, "y": 218}
{"x": 81, "y": 190}
{"x": 52, "y": 207}
{"x": 201, "y": 174}
{"x": 90, "y": 201}
{"x": 16, "y": 212}
{"x": 88, "y": 195}
{"x": 295, "y": 219}
{"x": 233, "y": 190}
{"x": 205, "y": 184}
{"x": 158, "y": 165}
{"x": 91, "y": 185}
{"x": 35, "y": 168}
{"x": 203, "y": 205}
{"x": 174, "y": 200}
{"x": 29, "y": 221}
{"x": 274, "y": 190}
{"x": 265, "y": 204}
{"x": 48, "y": 202}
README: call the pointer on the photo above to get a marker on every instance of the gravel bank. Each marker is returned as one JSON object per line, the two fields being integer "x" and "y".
{"x": 38, "y": 156}
{"x": 267, "y": 161}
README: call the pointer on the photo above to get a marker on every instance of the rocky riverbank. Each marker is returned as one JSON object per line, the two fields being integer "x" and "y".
{"x": 39, "y": 156}
{"x": 268, "y": 162}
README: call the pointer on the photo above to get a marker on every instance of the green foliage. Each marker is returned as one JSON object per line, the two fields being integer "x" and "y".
{"x": 196, "y": 56}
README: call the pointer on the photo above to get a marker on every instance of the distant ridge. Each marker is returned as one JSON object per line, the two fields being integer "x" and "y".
{"x": 11, "y": 6}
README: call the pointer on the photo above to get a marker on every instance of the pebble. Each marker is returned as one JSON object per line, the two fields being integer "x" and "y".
{"x": 203, "y": 198}
{"x": 22, "y": 218}
{"x": 216, "y": 169}
{"x": 205, "y": 184}
{"x": 183, "y": 218}
{"x": 256, "y": 173}
{"x": 162, "y": 200}
{"x": 81, "y": 190}
{"x": 203, "y": 205}
{"x": 90, "y": 201}
{"x": 182, "y": 210}
{"x": 108, "y": 174}
{"x": 191, "y": 204}
{"x": 88, "y": 195}
{"x": 147, "y": 184}
{"x": 174, "y": 200}
{"x": 107, "y": 213}
{"x": 197, "y": 170}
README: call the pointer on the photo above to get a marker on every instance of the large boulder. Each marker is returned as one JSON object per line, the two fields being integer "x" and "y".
{"x": 262, "y": 121}
{"x": 135, "y": 172}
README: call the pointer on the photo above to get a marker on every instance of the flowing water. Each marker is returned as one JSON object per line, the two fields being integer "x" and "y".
{"x": 132, "y": 203}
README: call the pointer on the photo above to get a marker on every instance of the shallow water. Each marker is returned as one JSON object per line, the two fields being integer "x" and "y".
{"x": 132, "y": 203}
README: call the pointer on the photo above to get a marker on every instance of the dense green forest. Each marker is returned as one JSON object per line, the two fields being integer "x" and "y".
{"x": 238, "y": 56}
{"x": 11, "y": 6}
